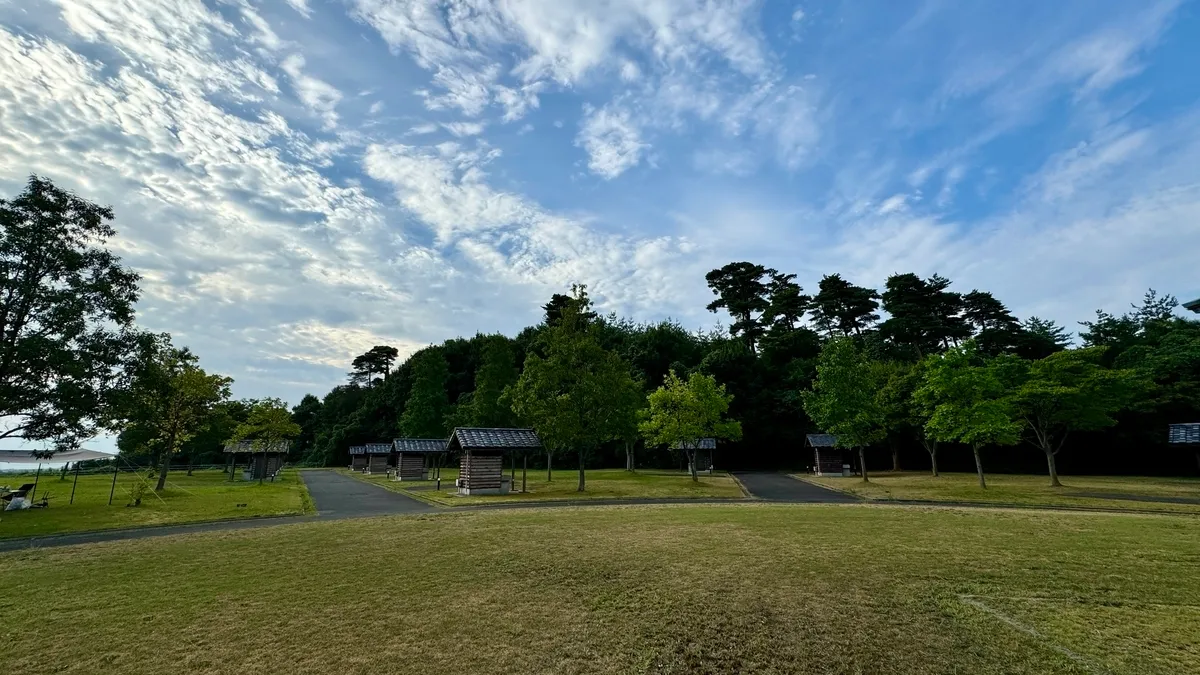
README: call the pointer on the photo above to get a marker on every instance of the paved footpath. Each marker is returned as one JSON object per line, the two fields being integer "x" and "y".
{"x": 335, "y": 496}
{"x": 780, "y": 487}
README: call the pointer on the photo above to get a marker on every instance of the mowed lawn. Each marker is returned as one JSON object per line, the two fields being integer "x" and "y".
{"x": 599, "y": 484}
{"x": 1129, "y": 492}
{"x": 739, "y": 588}
{"x": 205, "y": 495}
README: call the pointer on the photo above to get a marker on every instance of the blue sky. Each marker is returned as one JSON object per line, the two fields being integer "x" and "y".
{"x": 298, "y": 180}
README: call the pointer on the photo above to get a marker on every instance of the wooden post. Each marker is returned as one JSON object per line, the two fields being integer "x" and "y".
{"x": 36, "y": 476}
{"x": 524, "y": 470}
{"x": 116, "y": 468}
{"x": 437, "y": 474}
{"x": 76, "y": 482}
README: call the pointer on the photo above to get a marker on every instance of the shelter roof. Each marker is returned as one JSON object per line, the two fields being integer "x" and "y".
{"x": 420, "y": 444}
{"x": 1185, "y": 433}
{"x": 474, "y": 438}
{"x": 822, "y": 440}
{"x": 268, "y": 447}
{"x": 700, "y": 444}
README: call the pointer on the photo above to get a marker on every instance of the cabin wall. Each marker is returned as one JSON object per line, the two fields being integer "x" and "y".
{"x": 377, "y": 463}
{"x": 829, "y": 461}
{"x": 482, "y": 474}
{"x": 358, "y": 462}
{"x": 411, "y": 466}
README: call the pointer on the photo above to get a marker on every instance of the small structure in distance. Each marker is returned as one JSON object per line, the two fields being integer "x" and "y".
{"x": 378, "y": 455}
{"x": 703, "y": 450}
{"x": 1187, "y": 435}
{"x": 266, "y": 457}
{"x": 481, "y": 452}
{"x": 413, "y": 456}
{"x": 1193, "y": 306}
{"x": 358, "y": 458}
{"x": 830, "y": 459}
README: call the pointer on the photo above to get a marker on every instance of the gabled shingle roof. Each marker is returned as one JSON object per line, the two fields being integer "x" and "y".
{"x": 1185, "y": 433}
{"x": 701, "y": 444}
{"x": 1193, "y": 306}
{"x": 358, "y": 449}
{"x": 378, "y": 448}
{"x": 258, "y": 446}
{"x": 471, "y": 438}
{"x": 822, "y": 440}
{"x": 420, "y": 444}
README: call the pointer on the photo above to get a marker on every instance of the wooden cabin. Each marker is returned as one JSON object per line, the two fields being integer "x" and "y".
{"x": 358, "y": 458}
{"x": 264, "y": 459}
{"x": 414, "y": 456}
{"x": 701, "y": 452}
{"x": 481, "y": 457}
{"x": 830, "y": 459}
{"x": 378, "y": 457}
{"x": 1186, "y": 436}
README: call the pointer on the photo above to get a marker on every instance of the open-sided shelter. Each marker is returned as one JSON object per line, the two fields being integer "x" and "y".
{"x": 481, "y": 457}
{"x": 378, "y": 455}
{"x": 830, "y": 459}
{"x": 415, "y": 455}
{"x": 701, "y": 452}
{"x": 1186, "y": 435}
{"x": 264, "y": 458}
{"x": 358, "y": 457}
{"x": 1193, "y": 306}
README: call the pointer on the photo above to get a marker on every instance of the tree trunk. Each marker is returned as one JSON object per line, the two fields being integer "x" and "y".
{"x": 629, "y": 456}
{"x": 895, "y": 457}
{"x": 862, "y": 463}
{"x": 190, "y": 464}
{"x": 166, "y": 462}
{"x": 1053, "y": 468}
{"x": 692, "y": 465}
{"x": 582, "y": 482}
{"x": 549, "y": 469}
{"x": 979, "y": 466}
{"x": 933, "y": 458}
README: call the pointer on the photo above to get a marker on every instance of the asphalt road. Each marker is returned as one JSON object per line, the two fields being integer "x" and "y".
{"x": 339, "y": 496}
{"x": 779, "y": 487}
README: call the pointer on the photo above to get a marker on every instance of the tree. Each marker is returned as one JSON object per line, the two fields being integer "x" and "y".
{"x": 966, "y": 401}
{"x": 842, "y": 400}
{"x": 741, "y": 291}
{"x": 497, "y": 371}
{"x": 681, "y": 413}
{"x": 924, "y": 315}
{"x": 268, "y": 424}
{"x": 376, "y": 360}
{"x": 1038, "y": 338}
{"x": 170, "y": 399}
{"x": 1068, "y": 392}
{"x": 67, "y": 340}
{"x": 841, "y": 307}
{"x": 567, "y": 395}
{"x": 425, "y": 413}
{"x": 307, "y": 414}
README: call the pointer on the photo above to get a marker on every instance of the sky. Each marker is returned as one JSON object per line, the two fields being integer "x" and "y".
{"x": 299, "y": 180}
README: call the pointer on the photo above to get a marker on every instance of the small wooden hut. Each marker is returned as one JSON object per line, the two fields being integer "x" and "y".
{"x": 830, "y": 459}
{"x": 481, "y": 452}
{"x": 264, "y": 459}
{"x": 378, "y": 457}
{"x": 414, "y": 456}
{"x": 701, "y": 452}
{"x": 358, "y": 458}
{"x": 1186, "y": 435}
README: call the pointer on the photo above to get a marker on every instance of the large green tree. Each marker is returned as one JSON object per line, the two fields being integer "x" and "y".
{"x": 681, "y": 413}
{"x": 1070, "y": 392}
{"x": 497, "y": 371}
{"x": 377, "y": 360}
{"x": 268, "y": 424}
{"x": 742, "y": 292}
{"x": 842, "y": 400}
{"x": 841, "y": 308}
{"x": 425, "y": 412}
{"x": 67, "y": 339}
{"x": 170, "y": 399}
{"x": 966, "y": 401}
{"x": 571, "y": 394}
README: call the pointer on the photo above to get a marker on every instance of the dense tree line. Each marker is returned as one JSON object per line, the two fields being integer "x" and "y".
{"x": 919, "y": 345}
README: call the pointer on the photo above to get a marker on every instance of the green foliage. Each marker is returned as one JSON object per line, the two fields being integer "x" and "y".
{"x": 497, "y": 371}
{"x": 67, "y": 337}
{"x": 377, "y": 360}
{"x": 840, "y": 307}
{"x": 170, "y": 399}
{"x": 425, "y": 413}
{"x": 842, "y": 400}
{"x": 741, "y": 291}
{"x": 573, "y": 396}
{"x": 966, "y": 400}
{"x": 267, "y": 423}
{"x": 680, "y": 413}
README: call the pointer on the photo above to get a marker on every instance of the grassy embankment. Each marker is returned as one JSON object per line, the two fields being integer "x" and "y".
{"x": 1130, "y": 492}
{"x": 600, "y": 484}
{"x": 735, "y": 588}
{"x": 205, "y": 495}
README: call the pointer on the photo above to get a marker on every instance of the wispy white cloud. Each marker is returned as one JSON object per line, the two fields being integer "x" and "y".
{"x": 611, "y": 139}
{"x": 320, "y": 97}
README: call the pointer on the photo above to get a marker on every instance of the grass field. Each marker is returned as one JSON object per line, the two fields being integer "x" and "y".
{"x": 600, "y": 484}
{"x": 1015, "y": 489}
{"x": 205, "y": 495}
{"x": 741, "y": 588}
